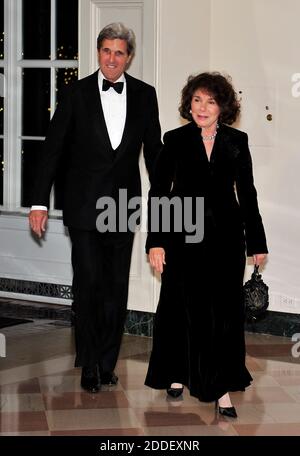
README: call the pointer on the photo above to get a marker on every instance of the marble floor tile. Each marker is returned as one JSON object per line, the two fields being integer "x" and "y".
{"x": 143, "y": 398}
{"x": 28, "y": 386}
{"x": 84, "y": 400}
{"x": 60, "y": 383}
{"x": 21, "y": 402}
{"x": 269, "y": 365}
{"x": 253, "y": 413}
{"x": 293, "y": 391}
{"x": 23, "y": 421}
{"x": 262, "y": 429}
{"x": 25, "y": 434}
{"x": 265, "y": 339}
{"x": 263, "y": 379}
{"x": 262, "y": 394}
{"x": 132, "y": 367}
{"x": 252, "y": 364}
{"x": 269, "y": 350}
{"x": 91, "y": 419}
{"x": 132, "y": 381}
{"x": 190, "y": 430}
{"x": 287, "y": 380}
{"x": 100, "y": 432}
{"x": 281, "y": 413}
{"x": 173, "y": 416}
{"x": 40, "y": 393}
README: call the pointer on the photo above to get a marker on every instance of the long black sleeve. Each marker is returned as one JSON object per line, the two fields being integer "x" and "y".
{"x": 162, "y": 180}
{"x": 247, "y": 196}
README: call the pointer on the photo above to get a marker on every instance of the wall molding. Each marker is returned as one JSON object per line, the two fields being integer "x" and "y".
{"x": 137, "y": 322}
{"x": 27, "y": 287}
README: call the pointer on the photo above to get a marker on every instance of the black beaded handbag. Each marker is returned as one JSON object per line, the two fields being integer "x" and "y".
{"x": 256, "y": 296}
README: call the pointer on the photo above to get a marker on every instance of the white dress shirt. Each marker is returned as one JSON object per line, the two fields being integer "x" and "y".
{"x": 114, "y": 109}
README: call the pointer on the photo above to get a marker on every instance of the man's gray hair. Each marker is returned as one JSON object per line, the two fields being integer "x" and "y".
{"x": 117, "y": 31}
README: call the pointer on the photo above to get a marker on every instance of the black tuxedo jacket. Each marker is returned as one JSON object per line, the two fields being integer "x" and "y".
{"x": 225, "y": 182}
{"x": 78, "y": 136}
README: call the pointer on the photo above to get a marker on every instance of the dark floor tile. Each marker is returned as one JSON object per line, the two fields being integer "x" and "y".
{"x": 23, "y": 421}
{"x": 28, "y": 386}
{"x": 169, "y": 418}
{"x": 269, "y": 350}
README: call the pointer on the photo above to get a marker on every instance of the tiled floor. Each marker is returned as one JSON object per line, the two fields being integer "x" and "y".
{"x": 40, "y": 391}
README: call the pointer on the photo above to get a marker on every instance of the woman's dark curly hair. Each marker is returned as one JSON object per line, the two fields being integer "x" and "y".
{"x": 219, "y": 87}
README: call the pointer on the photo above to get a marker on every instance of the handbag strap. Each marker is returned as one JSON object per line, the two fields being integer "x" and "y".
{"x": 255, "y": 274}
{"x": 256, "y": 268}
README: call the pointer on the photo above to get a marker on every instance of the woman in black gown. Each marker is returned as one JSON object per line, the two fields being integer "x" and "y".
{"x": 198, "y": 338}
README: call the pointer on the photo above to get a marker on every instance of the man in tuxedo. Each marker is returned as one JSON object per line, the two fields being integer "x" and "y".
{"x": 99, "y": 128}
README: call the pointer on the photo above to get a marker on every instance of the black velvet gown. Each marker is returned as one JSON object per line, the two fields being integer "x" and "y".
{"x": 198, "y": 335}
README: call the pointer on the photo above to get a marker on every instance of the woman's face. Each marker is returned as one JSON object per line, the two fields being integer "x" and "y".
{"x": 204, "y": 109}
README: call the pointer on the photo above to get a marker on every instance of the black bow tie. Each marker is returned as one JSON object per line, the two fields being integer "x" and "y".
{"x": 118, "y": 86}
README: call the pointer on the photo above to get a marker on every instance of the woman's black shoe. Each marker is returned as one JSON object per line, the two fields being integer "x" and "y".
{"x": 175, "y": 392}
{"x": 226, "y": 411}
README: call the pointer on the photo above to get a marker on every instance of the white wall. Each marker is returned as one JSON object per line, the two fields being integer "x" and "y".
{"x": 257, "y": 43}
{"x": 23, "y": 257}
{"x": 183, "y": 48}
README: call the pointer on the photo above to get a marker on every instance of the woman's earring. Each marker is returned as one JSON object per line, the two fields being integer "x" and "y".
{"x": 190, "y": 111}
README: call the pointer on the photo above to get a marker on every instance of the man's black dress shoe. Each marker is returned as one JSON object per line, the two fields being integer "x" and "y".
{"x": 175, "y": 392}
{"x": 90, "y": 379}
{"x": 226, "y": 411}
{"x": 109, "y": 378}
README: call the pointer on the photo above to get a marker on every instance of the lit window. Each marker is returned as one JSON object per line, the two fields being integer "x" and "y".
{"x": 44, "y": 60}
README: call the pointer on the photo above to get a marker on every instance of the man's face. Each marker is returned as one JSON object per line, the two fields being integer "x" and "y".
{"x": 113, "y": 58}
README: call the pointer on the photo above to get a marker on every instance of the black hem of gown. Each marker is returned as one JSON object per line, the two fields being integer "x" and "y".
{"x": 201, "y": 398}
